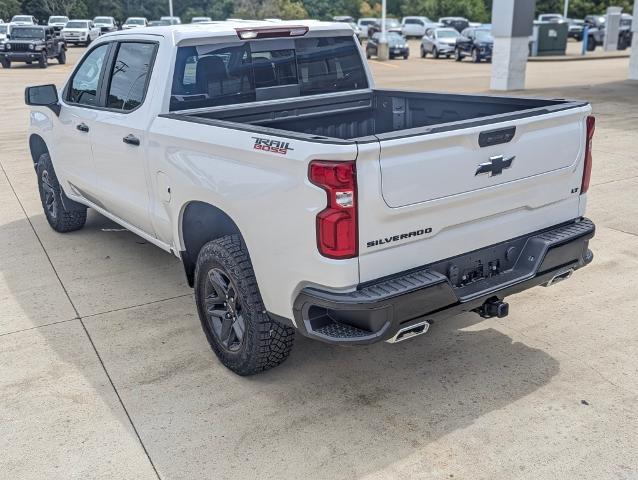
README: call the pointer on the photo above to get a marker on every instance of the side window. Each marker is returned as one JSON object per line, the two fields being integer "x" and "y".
{"x": 129, "y": 76}
{"x": 84, "y": 83}
{"x": 375, "y": 37}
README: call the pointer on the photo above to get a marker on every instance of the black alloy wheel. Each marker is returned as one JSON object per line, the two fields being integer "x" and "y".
{"x": 224, "y": 310}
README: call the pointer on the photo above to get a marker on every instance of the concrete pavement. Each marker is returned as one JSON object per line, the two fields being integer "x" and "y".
{"x": 105, "y": 373}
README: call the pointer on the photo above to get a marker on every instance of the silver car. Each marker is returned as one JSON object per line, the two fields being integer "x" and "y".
{"x": 439, "y": 41}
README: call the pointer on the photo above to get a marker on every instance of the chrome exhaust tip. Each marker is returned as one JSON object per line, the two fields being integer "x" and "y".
{"x": 410, "y": 332}
{"x": 559, "y": 277}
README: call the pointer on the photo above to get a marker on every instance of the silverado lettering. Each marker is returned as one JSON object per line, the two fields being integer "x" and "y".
{"x": 396, "y": 238}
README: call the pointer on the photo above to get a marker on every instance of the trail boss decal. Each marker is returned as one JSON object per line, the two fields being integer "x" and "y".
{"x": 273, "y": 146}
{"x": 396, "y": 238}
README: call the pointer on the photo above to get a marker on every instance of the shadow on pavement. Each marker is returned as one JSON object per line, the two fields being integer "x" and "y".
{"x": 328, "y": 412}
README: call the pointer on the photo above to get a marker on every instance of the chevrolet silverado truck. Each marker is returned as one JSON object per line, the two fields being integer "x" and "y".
{"x": 300, "y": 197}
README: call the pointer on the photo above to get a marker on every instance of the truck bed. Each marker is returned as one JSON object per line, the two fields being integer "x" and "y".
{"x": 381, "y": 113}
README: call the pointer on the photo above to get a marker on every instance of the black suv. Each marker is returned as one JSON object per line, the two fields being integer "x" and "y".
{"x": 32, "y": 43}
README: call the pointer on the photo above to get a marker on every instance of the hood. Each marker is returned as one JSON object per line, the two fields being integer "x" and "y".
{"x": 447, "y": 41}
{"x": 76, "y": 30}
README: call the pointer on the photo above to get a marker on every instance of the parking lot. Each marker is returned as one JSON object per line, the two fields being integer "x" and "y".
{"x": 105, "y": 372}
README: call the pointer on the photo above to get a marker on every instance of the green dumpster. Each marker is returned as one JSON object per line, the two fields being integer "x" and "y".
{"x": 552, "y": 38}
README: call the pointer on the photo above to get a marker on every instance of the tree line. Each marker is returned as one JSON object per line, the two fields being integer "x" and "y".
{"x": 475, "y": 10}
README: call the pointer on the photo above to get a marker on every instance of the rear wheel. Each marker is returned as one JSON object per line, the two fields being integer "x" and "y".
{"x": 240, "y": 332}
{"x": 63, "y": 214}
{"x": 62, "y": 56}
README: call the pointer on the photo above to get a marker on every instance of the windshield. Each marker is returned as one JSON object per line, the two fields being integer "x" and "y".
{"x": 135, "y": 21}
{"x": 483, "y": 35}
{"x": 58, "y": 19}
{"x": 107, "y": 20}
{"x": 21, "y": 18}
{"x": 77, "y": 25}
{"x": 35, "y": 33}
{"x": 391, "y": 22}
{"x": 447, "y": 34}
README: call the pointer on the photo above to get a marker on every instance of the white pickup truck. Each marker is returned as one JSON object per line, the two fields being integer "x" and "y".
{"x": 299, "y": 196}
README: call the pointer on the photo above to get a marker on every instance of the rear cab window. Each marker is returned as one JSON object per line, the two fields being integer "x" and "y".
{"x": 248, "y": 71}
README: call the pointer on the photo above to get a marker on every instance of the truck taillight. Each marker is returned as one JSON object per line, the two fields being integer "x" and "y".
{"x": 337, "y": 223}
{"x": 591, "y": 126}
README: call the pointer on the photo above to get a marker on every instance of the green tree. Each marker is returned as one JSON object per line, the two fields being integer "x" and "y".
{"x": 9, "y": 8}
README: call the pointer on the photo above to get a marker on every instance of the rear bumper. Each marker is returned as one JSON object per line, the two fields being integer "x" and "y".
{"x": 376, "y": 311}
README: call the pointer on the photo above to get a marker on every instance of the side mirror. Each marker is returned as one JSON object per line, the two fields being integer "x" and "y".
{"x": 43, "y": 96}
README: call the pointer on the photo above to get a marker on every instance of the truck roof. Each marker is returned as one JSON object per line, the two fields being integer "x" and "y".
{"x": 180, "y": 33}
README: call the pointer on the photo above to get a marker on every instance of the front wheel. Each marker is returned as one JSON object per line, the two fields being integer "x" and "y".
{"x": 62, "y": 56}
{"x": 44, "y": 60}
{"x": 423, "y": 52}
{"x": 435, "y": 52}
{"x": 476, "y": 56}
{"x": 457, "y": 55}
{"x": 6, "y": 63}
{"x": 63, "y": 214}
{"x": 240, "y": 332}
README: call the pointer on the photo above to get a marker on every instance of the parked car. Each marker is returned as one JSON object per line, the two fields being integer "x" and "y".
{"x": 159, "y": 23}
{"x": 201, "y": 19}
{"x": 575, "y": 29}
{"x": 78, "y": 32}
{"x": 134, "y": 22}
{"x": 23, "y": 20}
{"x": 263, "y": 174}
{"x": 596, "y": 31}
{"x": 32, "y": 43}
{"x": 172, "y": 20}
{"x": 551, "y": 17}
{"x": 397, "y": 45}
{"x": 415, "y": 26}
{"x": 457, "y": 23}
{"x": 105, "y": 24}
{"x": 439, "y": 41}
{"x": 476, "y": 43}
{"x": 57, "y": 22}
{"x": 5, "y": 31}
{"x": 343, "y": 19}
{"x": 364, "y": 24}
{"x": 391, "y": 25}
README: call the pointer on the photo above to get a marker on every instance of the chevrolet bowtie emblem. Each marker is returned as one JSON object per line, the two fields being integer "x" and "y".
{"x": 495, "y": 166}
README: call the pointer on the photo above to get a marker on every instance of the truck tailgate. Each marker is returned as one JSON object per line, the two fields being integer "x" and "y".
{"x": 443, "y": 194}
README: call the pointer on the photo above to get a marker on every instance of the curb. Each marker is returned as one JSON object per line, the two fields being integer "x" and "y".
{"x": 578, "y": 58}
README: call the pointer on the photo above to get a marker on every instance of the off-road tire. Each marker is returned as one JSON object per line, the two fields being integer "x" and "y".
{"x": 266, "y": 343}
{"x": 62, "y": 56}
{"x": 43, "y": 62}
{"x": 66, "y": 215}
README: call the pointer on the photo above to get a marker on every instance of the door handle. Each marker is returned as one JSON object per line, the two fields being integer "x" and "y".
{"x": 82, "y": 127}
{"x": 131, "y": 140}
